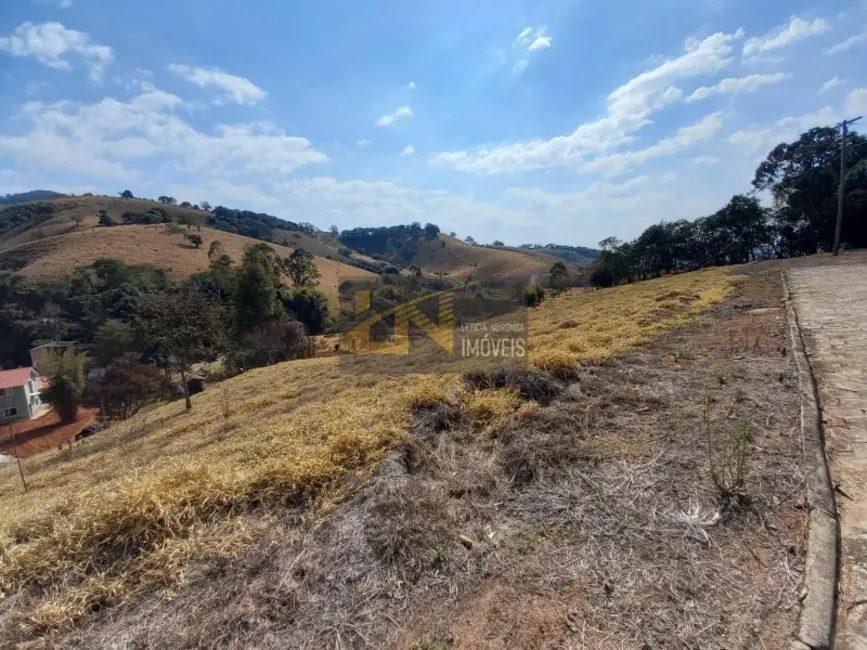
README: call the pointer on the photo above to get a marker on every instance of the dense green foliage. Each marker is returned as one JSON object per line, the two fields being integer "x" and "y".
{"x": 26, "y": 215}
{"x": 396, "y": 244}
{"x": 25, "y": 197}
{"x": 65, "y": 374}
{"x": 574, "y": 254}
{"x": 802, "y": 177}
{"x": 250, "y": 224}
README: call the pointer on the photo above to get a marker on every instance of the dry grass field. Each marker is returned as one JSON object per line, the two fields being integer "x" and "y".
{"x": 461, "y": 261}
{"x": 55, "y": 256}
{"x": 235, "y": 524}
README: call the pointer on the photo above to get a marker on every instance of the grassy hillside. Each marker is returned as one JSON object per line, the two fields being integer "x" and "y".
{"x": 86, "y": 208}
{"x": 460, "y": 261}
{"x": 130, "y": 515}
{"x": 152, "y": 244}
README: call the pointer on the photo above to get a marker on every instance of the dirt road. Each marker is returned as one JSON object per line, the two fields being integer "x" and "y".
{"x": 831, "y": 301}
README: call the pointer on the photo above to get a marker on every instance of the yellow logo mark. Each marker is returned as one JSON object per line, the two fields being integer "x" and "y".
{"x": 358, "y": 338}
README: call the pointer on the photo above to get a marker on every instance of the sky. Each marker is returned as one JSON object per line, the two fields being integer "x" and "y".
{"x": 518, "y": 120}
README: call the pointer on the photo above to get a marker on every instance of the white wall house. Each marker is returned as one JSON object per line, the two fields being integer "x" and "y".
{"x": 19, "y": 394}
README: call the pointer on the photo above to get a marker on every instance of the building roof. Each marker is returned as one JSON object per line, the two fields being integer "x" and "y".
{"x": 14, "y": 378}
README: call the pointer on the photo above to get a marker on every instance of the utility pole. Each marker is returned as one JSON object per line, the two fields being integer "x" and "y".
{"x": 842, "y": 191}
{"x": 17, "y": 457}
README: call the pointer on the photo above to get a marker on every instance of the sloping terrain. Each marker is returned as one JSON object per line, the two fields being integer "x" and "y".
{"x": 459, "y": 260}
{"x": 24, "y": 197}
{"x": 556, "y": 507}
{"x": 151, "y": 244}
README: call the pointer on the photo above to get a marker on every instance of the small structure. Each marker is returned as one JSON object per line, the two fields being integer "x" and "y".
{"x": 19, "y": 394}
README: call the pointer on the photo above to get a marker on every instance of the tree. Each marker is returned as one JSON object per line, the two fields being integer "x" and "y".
{"x": 559, "y": 276}
{"x": 65, "y": 374}
{"x": 309, "y": 306}
{"x": 195, "y": 239}
{"x": 215, "y": 251}
{"x": 257, "y": 295}
{"x": 415, "y": 271}
{"x": 126, "y": 194}
{"x": 431, "y": 231}
{"x": 205, "y": 206}
{"x": 453, "y": 234}
{"x": 498, "y": 243}
{"x": 127, "y": 387}
{"x": 77, "y": 218}
{"x": 113, "y": 340}
{"x": 301, "y": 268}
{"x": 167, "y": 200}
{"x": 532, "y": 294}
{"x": 186, "y": 325}
{"x": 186, "y": 204}
{"x": 279, "y": 340}
{"x": 105, "y": 220}
{"x": 334, "y": 230}
{"x": 470, "y": 240}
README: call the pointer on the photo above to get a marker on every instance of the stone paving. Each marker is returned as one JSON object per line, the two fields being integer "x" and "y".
{"x": 831, "y": 303}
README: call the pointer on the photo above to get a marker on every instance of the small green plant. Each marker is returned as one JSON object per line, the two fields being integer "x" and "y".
{"x": 721, "y": 378}
{"x": 729, "y": 462}
{"x": 685, "y": 355}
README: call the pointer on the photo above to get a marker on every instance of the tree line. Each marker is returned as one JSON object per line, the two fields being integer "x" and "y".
{"x": 802, "y": 177}
{"x": 135, "y": 322}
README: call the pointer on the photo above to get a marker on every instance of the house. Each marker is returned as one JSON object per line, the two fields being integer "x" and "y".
{"x": 19, "y": 394}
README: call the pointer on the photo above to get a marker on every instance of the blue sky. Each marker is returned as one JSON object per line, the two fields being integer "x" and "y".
{"x": 522, "y": 121}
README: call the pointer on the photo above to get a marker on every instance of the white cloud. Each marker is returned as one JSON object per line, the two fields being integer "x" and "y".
{"x": 526, "y": 42}
{"x": 236, "y": 89}
{"x": 833, "y": 82}
{"x": 753, "y": 140}
{"x": 629, "y": 109}
{"x": 796, "y": 30}
{"x": 408, "y": 150}
{"x": 361, "y": 144}
{"x": 391, "y": 118}
{"x": 99, "y": 139}
{"x": 540, "y": 41}
{"x": 848, "y": 44}
{"x": 737, "y": 85}
{"x": 705, "y": 160}
{"x": 856, "y": 102}
{"x": 52, "y": 45}
{"x": 685, "y": 138}
{"x": 411, "y": 85}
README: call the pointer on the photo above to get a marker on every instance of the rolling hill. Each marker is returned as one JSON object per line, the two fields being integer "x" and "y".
{"x": 57, "y": 245}
{"x": 25, "y": 197}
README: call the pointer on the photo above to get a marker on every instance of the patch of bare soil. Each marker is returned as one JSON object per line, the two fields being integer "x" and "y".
{"x": 656, "y": 503}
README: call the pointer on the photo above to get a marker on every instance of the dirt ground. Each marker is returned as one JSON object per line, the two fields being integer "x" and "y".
{"x": 609, "y": 517}
{"x": 43, "y": 433}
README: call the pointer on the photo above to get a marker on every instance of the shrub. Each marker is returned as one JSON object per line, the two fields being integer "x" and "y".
{"x": 532, "y": 294}
{"x": 65, "y": 374}
{"x": 127, "y": 387}
{"x": 105, "y": 220}
{"x": 194, "y": 239}
{"x": 310, "y": 306}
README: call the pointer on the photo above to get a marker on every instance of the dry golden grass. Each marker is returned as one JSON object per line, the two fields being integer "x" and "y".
{"x": 55, "y": 256}
{"x": 460, "y": 261}
{"x": 131, "y": 509}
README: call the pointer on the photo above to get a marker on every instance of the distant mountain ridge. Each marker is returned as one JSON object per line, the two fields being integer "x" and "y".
{"x": 25, "y": 197}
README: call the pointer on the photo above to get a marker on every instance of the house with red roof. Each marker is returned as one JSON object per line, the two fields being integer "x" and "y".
{"x": 19, "y": 394}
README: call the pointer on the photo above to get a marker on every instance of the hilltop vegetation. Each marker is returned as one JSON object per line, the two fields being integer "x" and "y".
{"x": 803, "y": 178}
{"x": 24, "y": 197}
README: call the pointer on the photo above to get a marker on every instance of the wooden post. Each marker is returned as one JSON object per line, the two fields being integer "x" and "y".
{"x": 17, "y": 457}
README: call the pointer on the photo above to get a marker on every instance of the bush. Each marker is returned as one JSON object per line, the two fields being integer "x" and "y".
{"x": 65, "y": 374}
{"x": 309, "y": 306}
{"x": 274, "y": 342}
{"x": 194, "y": 239}
{"x": 105, "y": 220}
{"x": 532, "y": 294}
{"x": 127, "y": 387}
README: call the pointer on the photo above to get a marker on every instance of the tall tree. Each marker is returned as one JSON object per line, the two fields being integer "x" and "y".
{"x": 559, "y": 276}
{"x": 126, "y": 194}
{"x": 301, "y": 268}
{"x": 257, "y": 295}
{"x": 186, "y": 325}
{"x": 65, "y": 374}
